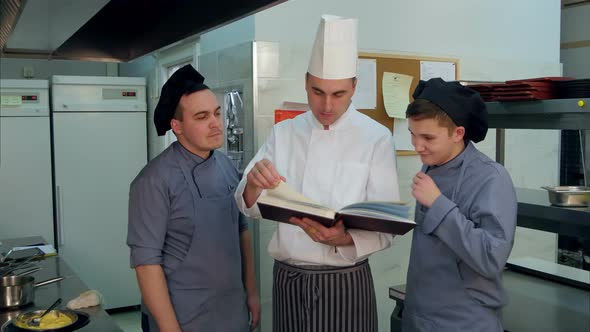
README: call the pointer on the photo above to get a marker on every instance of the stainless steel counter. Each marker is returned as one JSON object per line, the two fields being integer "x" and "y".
{"x": 541, "y": 305}
{"x": 67, "y": 289}
{"x": 534, "y": 304}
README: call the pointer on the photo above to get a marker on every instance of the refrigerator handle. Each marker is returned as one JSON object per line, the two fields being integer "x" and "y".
{"x": 58, "y": 205}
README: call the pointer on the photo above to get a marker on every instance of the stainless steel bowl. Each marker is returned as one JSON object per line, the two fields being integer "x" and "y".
{"x": 568, "y": 195}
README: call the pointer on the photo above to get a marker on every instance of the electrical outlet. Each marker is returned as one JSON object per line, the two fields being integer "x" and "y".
{"x": 28, "y": 72}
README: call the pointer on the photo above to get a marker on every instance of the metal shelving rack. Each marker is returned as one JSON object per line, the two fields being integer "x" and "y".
{"x": 534, "y": 209}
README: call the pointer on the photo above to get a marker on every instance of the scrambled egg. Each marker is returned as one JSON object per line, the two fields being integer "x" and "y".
{"x": 53, "y": 320}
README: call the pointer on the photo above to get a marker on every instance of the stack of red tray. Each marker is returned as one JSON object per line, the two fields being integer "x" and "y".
{"x": 525, "y": 89}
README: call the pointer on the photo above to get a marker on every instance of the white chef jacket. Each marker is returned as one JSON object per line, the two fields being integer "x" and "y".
{"x": 351, "y": 162}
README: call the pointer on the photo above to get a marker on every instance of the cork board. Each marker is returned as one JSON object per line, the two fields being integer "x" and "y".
{"x": 401, "y": 64}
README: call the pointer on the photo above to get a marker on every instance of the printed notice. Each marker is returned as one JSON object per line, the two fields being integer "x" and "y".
{"x": 365, "y": 96}
{"x": 396, "y": 94}
{"x": 432, "y": 69}
{"x": 401, "y": 135}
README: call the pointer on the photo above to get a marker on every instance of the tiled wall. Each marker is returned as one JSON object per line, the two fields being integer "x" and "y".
{"x": 229, "y": 69}
{"x": 276, "y": 81}
{"x": 390, "y": 266}
{"x": 531, "y": 158}
{"x": 275, "y": 73}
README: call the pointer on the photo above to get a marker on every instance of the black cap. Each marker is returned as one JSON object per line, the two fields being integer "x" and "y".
{"x": 463, "y": 105}
{"x": 185, "y": 80}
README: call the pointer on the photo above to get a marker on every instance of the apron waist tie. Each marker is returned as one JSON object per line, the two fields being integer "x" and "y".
{"x": 321, "y": 269}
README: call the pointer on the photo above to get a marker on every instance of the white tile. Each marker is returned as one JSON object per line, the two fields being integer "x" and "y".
{"x": 208, "y": 67}
{"x": 265, "y": 316}
{"x": 389, "y": 268}
{"x": 534, "y": 243}
{"x": 532, "y": 157}
{"x": 273, "y": 92}
{"x": 262, "y": 127}
{"x": 294, "y": 60}
{"x": 235, "y": 63}
{"x": 267, "y": 59}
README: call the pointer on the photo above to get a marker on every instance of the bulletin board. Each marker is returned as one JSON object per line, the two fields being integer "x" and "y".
{"x": 401, "y": 64}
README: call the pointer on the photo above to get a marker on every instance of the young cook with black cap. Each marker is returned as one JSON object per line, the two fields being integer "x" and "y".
{"x": 465, "y": 215}
{"x": 189, "y": 243}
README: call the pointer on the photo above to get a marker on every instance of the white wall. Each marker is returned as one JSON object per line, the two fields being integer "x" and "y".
{"x": 153, "y": 67}
{"x": 235, "y": 33}
{"x": 494, "y": 40}
{"x": 460, "y": 28}
{"x": 44, "y": 69}
{"x": 146, "y": 66}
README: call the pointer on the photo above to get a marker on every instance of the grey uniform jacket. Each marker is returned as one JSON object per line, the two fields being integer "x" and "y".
{"x": 460, "y": 246}
{"x": 182, "y": 216}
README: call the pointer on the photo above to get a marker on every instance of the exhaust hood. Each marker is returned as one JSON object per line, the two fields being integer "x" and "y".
{"x": 115, "y": 30}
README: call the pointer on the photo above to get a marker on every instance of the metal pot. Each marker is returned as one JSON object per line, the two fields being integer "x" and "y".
{"x": 17, "y": 291}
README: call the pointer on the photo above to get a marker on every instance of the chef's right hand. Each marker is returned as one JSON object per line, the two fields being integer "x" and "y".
{"x": 262, "y": 176}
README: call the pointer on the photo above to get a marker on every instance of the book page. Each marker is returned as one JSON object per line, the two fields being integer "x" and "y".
{"x": 285, "y": 191}
{"x": 374, "y": 214}
{"x": 307, "y": 208}
{"x": 390, "y": 208}
{"x": 285, "y": 196}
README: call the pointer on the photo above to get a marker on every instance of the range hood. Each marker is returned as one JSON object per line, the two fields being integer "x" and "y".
{"x": 115, "y": 30}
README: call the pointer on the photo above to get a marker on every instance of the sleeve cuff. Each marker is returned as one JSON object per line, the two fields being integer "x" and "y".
{"x": 253, "y": 211}
{"x": 145, "y": 256}
{"x": 437, "y": 212}
{"x": 365, "y": 243}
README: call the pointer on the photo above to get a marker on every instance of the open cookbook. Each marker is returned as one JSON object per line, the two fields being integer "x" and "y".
{"x": 283, "y": 202}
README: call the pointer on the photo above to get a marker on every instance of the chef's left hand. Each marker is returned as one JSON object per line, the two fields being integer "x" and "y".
{"x": 424, "y": 189}
{"x": 254, "y": 309}
{"x": 332, "y": 236}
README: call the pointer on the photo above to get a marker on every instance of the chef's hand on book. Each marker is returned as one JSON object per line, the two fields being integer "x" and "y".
{"x": 424, "y": 189}
{"x": 332, "y": 236}
{"x": 262, "y": 176}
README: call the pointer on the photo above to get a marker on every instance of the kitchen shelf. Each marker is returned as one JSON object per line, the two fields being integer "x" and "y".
{"x": 535, "y": 211}
{"x": 540, "y": 114}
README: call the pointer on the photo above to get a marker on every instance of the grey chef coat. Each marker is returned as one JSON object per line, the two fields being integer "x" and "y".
{"x": 192, "y": 231}
{"x": 460, "y": 246}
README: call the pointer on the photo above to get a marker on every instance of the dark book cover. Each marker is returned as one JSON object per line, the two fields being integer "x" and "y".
{"x": 375, "y": 224}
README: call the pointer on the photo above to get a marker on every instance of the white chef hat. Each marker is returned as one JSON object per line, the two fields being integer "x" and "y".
{"x": 334, "y": 53}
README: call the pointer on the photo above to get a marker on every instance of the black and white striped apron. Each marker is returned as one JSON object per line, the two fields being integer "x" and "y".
{"x": 323, "y": 298}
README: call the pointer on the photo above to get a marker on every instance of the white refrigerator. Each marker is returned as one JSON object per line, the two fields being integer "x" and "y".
{"x": 100, "y": 145}
{"x": 26, "y": 205}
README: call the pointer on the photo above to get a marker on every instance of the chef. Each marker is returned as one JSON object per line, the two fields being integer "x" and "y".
{"x": 190, "y": 245}
{"x": 336, "y": 156}
{"x": 465, "y": 215}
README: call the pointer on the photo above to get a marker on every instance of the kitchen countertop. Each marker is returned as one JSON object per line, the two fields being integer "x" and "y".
{"x": 537, "y": 304}
{"x": 67, "y": 289}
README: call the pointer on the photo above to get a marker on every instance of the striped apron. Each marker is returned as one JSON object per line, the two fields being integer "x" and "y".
{"x": 323, "y": 298}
